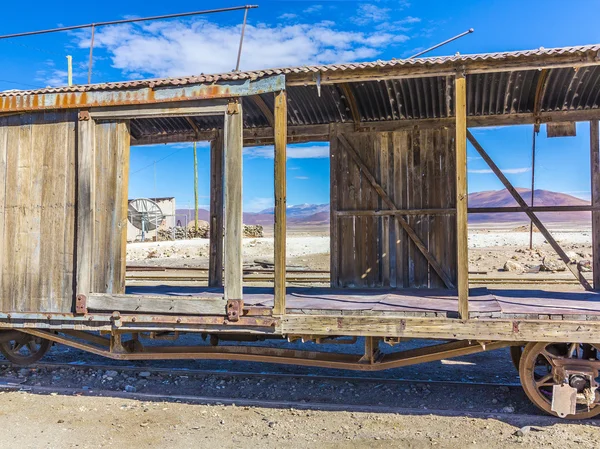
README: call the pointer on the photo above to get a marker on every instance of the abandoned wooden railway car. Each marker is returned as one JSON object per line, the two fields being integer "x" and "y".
{"x": 398, "y": 135}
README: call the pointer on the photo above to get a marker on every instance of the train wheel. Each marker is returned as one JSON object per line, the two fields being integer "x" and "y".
{"x": 25, "y": 351}
{"x": 516, "y": 352}
{"x": 545, "y": 365}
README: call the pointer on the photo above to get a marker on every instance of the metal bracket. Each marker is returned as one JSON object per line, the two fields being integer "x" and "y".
{"x": 233, "y": 108}
{"x": 235, "y": 309}
{"x": 81, "y": 304}
{"x": 83, "y": 115}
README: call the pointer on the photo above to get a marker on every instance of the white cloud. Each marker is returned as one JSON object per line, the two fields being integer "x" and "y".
{"x": 180, "y": 48}
{"x": 287, "y": 16}
{"x": 293, "y": 152}
{"x": 369, "y": 13}
{"x": 257, "y": 204}
{"x": 509, "y": 171}
{"x": 301, "y": 177}
{"x": 312, "y": 9}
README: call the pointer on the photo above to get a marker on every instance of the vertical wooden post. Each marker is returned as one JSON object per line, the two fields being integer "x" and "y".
{"x": 280, "y": 200}
{"x": 460, "y": 89}
{"x": 85, "y": 203}
{"x": 595, "y": 168}
{"x": 233, "y": 201}
{"x": 215, "y": 263}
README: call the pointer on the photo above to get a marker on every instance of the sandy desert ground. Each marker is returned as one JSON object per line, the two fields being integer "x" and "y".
{"x": 308, "y": 247}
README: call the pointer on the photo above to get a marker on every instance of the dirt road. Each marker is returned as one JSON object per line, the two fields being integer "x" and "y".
{"x": 34, "y": 421}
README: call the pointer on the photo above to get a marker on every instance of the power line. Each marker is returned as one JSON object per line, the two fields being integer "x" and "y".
{"x": 160, "y": 160}
{"x": 22, "y": 84}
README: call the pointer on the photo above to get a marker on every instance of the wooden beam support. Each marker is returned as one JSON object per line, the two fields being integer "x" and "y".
{"x": 215, "y": 262}
{"x": 462, "y": 197}
{"x": 388, "y": 201}
{"x": 192, "y": 123}
{"x": 384, "y": 213}
{"x": 320, "y": 132}
{"x": 156, "y": 304}
{"x": 264, "y": 108}
{"x": 280, "y": 200}
{"x": 595, "y": 169}
{"x": 503, "y": 210}
{"x": 233, "y": 201}
{"x": 351, "y": 103}
{"x": 173, "y": 109}
{"x": 85, "y": 204}
{"x": 536, "y": 221}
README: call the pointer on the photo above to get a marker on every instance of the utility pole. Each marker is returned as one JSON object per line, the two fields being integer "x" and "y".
{"x": 195, "y": 191}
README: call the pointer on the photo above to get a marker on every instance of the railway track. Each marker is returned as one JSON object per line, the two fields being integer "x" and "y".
{"x": 531, "y": 417}
{"x": 246, "y": 374}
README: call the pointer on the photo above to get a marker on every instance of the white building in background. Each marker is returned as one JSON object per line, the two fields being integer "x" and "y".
{"x": 167, "y": 206}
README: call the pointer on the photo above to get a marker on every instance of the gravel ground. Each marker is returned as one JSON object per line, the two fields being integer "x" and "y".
{"x": 33, "y": 421}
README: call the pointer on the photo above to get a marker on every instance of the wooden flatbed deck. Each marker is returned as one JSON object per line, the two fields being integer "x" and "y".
{"x": 484, "y": 303}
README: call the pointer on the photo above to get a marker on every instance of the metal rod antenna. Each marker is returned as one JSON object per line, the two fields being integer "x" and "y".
{"x": 458, "y": 36}
{"x": 239, "y": 56}
{"x": 91, "y": 61}
{"x": 117, "y": 22}
{"x": 532, "y": 187}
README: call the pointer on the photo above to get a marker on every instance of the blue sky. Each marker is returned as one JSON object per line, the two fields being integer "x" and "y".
{"x": 298, "y": 32}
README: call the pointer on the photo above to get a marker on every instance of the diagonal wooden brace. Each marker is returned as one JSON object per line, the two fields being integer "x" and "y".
{"x": 384, "y": 196}
{"x": 536, "y": 221}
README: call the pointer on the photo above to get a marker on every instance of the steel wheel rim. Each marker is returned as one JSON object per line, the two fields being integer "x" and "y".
{"x": 25, "y": 350}
{"x": 538, "y": 375}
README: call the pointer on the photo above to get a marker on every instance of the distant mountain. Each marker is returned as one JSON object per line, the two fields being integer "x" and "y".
{"x": 502, "y": 198}
{"x": 319, "y": 213}
{"x": 301, "y": 210}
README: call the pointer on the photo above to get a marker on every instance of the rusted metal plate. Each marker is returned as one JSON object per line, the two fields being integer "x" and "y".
{"x": 139, "y": 95}
{"x": 564, "y": 400}
{"x": 561, "y": 129}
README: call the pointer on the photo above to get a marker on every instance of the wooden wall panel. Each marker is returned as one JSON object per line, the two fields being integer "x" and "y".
{"x": 111, "y": 154}
{"x": 416, "y": 170}
{"x": 37, "y": 212}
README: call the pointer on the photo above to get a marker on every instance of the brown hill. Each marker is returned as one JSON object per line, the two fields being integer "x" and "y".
{"x": 502, "y": 198}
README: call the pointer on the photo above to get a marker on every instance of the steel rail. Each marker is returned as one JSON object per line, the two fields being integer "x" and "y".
{"x": 222, "y": 373}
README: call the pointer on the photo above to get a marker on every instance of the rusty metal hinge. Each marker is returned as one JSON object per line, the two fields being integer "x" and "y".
{"x": 81, "y": 304}
{"x": 84, "y": 115}
{"x": 235, "y": 309}
{"x": 233, "y": 108}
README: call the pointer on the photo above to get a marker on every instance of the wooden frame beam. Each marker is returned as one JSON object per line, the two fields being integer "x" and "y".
{"x": 502, "y": 210}
{"x": 462, "y": 196}
{"x": 175, "y": 109}
{"x": 233, "y": 201}
{"x": 321, "y": 132}
{"x": 351, "y": 103}
{"x": 595, "y": 188}
{"x": 388, "y": 201}
{"x": 85, "y": 205}
{"x": 264, "y": 108}
{"x": 280, "y": 201}
{"x": 215, "y": 263}
{"x": 536, "y": 221}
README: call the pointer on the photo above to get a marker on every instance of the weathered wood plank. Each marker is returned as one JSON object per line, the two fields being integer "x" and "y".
{"x": 121, "y": 203}
{"x": 233, "y": 202}
{"x": 443, "y": 328}
{"x": 280, "y": 201}
{"x": 462, "y": 231}
{"x": 334, "y": 244}
{"x": 156, "y": 304}
{"x": 595, "y": 188}
{"x": 4, "y": 140}
{"x": 414, "y": 237}
{"x": 215, "y": 263}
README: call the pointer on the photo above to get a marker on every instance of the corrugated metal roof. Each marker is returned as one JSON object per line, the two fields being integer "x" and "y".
{"x": 496, "y": 92}
{"x": 255, "y": 74}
